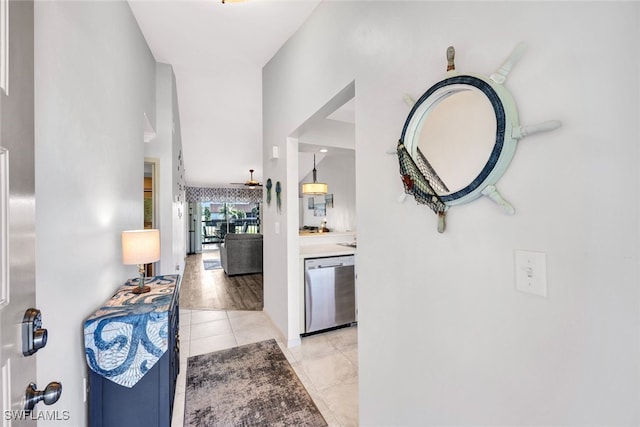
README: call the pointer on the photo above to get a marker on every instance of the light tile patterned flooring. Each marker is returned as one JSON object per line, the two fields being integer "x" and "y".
{"x": 327, "y": 363}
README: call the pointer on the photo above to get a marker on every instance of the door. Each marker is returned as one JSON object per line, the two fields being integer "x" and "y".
{"x": 17, "y": 206}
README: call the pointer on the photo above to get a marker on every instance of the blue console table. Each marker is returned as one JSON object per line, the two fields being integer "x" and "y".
{"x": 132, "y": 350}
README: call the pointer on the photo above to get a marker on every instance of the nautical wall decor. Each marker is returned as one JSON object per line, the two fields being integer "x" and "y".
{"x": 278, "y": 196}
{"x": 460, "y": 137}
{"x": 269, "y": 186}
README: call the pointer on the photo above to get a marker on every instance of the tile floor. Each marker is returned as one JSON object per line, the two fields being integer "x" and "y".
{"x": 327, "y": 363}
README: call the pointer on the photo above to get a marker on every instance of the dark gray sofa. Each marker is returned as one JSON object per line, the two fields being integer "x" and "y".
{"x": 241, "y": 254}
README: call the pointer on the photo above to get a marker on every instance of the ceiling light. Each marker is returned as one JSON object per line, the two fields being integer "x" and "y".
{"x": 315, "y": 187}
{"x": 323, "y": 150}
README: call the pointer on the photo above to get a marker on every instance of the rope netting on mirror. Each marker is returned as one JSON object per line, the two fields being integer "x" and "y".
{"x": 420, "y": 182}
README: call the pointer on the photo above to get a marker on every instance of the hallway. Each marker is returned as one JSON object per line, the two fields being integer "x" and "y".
{"x": 214, "y": 290}
{"x": 327, "y": 364}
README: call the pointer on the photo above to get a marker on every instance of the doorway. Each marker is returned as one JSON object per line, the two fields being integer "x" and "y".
{"x": 150, "y": 203}
{"x": 331, "y": 127}
{"x": 326, "y": 147}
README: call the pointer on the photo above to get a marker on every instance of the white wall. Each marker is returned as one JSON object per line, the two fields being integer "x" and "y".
{"x": 94, "y": 79}
{"x": 167, "y": 149}
{"x": 444, "y": 337}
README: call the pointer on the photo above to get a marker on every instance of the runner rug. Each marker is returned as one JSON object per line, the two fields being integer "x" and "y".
{"x": 211, "y": 264}
{"x": 250, "y": 385}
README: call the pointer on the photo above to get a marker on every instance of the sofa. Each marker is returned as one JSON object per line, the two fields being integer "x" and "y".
{"x": 241, "y": 254}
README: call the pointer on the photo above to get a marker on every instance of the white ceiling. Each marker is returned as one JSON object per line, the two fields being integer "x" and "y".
{"x": 217, "y": 52}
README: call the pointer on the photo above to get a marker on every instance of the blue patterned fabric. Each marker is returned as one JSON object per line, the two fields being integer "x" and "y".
{"x": 126, "y": 337}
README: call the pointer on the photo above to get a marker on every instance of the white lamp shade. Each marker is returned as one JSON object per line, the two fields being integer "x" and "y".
{"x": 315, "y": 188}
{"x": 140, "y": 246}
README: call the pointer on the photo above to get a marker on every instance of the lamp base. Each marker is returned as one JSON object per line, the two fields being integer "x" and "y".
{"x": 141, "y": 289}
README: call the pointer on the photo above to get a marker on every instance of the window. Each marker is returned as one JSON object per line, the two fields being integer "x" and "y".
{"x": 220, "y": 218}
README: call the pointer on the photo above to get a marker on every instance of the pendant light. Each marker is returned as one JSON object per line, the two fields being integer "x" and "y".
{"x": 315, "y": 187}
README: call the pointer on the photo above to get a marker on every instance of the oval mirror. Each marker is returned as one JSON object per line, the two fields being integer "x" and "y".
{"x": 459, "y": 138}
{"x": 455, "y": 135}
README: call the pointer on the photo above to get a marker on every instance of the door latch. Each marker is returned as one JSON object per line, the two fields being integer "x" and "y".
{"x": 34, "y": 337}
{"x": 49, "y": 395}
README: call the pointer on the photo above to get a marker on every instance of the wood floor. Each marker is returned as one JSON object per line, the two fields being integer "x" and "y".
{"x": 213, "y": 290}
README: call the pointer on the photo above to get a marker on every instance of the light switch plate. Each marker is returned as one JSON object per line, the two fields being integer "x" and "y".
{"x": 531, "y": 272}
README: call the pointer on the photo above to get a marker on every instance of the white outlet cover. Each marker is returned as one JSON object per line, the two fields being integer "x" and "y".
{"x": 531, "y": 272}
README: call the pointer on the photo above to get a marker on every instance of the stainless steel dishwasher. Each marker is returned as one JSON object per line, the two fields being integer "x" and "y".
{"x": 329, "y": 288}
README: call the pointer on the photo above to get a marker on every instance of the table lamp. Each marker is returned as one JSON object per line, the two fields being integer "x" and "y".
{"x": 140, "y": 247}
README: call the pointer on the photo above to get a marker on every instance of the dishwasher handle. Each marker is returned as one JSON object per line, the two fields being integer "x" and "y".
{"x": 320, "y": 266}
{"x": 329, "y": 262}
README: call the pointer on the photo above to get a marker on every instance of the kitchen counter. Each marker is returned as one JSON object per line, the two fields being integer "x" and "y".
{"x": 330, "y": 237}
{"x": 311, "y": 233}
{"x": 326, "y": 244}
{"x": 326, "y": 249}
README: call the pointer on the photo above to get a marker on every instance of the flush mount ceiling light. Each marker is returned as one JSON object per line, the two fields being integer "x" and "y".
{"x": 315, "y": 187}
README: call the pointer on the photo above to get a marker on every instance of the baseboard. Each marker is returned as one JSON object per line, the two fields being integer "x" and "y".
{"x": 295, "y": 342}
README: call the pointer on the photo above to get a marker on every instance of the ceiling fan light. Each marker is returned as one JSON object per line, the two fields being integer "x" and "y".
{"x": 250, "y": 183}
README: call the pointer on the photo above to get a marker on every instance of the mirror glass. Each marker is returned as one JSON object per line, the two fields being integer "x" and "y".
{"x": 455, "y": 139}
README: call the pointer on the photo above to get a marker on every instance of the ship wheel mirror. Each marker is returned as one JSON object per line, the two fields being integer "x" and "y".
{"x": 460, "y": 137}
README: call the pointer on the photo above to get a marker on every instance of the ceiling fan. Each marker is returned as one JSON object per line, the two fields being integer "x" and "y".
{"x": 251, "y": 183}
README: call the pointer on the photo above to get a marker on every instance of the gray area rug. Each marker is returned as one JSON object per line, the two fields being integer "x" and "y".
{"x": 211, "y": 264}
{"x": 250, "y": 385}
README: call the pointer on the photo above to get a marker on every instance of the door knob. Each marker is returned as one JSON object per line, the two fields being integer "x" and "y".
{"x": 49, "y": 395}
